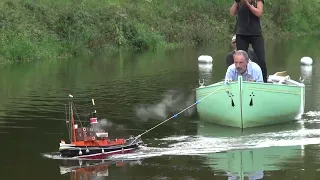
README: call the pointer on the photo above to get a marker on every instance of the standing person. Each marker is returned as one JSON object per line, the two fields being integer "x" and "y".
{"x": 248, "y": 29}
{"x": 229, "y": 57}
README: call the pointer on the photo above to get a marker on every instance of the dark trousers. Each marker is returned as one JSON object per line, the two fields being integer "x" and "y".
{"x": 257, "y": 43}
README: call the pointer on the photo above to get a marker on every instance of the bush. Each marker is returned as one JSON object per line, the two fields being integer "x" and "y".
{"x": 36, "y": 30}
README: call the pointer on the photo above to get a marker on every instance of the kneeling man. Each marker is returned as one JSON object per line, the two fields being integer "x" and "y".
{"x": 243, "y": 66}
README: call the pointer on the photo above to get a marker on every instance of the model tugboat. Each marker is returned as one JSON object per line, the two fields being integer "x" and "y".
{"x": 92, "y": 142}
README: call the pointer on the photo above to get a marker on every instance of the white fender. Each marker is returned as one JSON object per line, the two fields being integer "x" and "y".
{"x": 205, "y": 59}
{"x": 306, "y": 61}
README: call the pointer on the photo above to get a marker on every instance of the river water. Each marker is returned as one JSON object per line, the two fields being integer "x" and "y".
{"x": 134, "y": 92}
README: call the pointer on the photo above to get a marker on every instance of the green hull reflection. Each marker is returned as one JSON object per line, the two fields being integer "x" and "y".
{"x": 249, "y": 162}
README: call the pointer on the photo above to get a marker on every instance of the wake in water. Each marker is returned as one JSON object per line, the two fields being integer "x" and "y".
{"x": 311, "y": 117}
{"x": 199, "y": 144}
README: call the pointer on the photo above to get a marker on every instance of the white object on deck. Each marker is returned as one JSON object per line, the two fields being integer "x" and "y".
{"x": 205, "y": 59}
{"x": 306, "y": 61}
{"x": 102, "y": 134}
{"x": 66, "y": 146}
{"x": 279, "y": 77}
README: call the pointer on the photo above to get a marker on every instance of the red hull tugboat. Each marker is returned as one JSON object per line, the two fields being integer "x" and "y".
{"x": 92, "y": 142}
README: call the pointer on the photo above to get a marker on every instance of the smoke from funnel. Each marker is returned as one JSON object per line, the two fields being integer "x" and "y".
{"x": 102, "y": 124}
{"x": 172, "y": 103}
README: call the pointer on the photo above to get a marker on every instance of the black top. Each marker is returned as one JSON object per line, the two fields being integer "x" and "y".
{"x": 247, "y": 22}
{"x": 252, "y": 56}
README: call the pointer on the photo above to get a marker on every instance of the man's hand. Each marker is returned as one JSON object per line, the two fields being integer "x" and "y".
{"x": 257, "y": 11}
{"x": 246, "y": 2}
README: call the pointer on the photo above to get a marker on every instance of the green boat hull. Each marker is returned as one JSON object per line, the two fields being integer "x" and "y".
{"x": 249, "y": 104}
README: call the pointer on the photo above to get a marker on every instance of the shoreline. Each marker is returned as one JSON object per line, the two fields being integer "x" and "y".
{"x": 34, "y": 31}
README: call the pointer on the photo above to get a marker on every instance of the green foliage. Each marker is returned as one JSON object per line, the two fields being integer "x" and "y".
{"x": 36, "y": 30}
{"x": 296, "y": 16}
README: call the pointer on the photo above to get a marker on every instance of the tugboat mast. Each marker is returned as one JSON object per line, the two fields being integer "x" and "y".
{"x": 71, "y": 123}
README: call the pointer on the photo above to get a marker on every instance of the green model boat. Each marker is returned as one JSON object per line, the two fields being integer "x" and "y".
{"x": 246, "y": 104}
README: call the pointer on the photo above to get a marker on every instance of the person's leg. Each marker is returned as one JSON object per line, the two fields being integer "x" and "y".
{"x": 257, "y": 43}
{"x": 242, "y": 42}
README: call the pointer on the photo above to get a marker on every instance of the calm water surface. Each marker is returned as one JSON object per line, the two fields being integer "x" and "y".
{"x": 134, "y": 92}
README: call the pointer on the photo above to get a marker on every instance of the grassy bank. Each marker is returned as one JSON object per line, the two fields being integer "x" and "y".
{"x": 41, "y": 29}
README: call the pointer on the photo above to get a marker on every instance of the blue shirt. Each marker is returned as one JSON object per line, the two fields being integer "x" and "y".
{"x": 253, "y": 73}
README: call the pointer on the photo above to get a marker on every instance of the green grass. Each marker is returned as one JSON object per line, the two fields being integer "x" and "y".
{"x": 43, "y": 29}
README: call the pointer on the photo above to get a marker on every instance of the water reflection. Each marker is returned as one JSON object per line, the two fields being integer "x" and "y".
{"x": 247, "y": 162}
{"x": 306, "y": 73}
{"x": 90, "y": 169}
{"x": 205, "y": 72}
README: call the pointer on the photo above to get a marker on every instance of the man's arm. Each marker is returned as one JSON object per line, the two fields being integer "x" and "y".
{"x": 256, "y": 72}
{"x": 234, "y": 8}
{"x": 255, "y": 10}
{"x": 259, "y": 76}
{"x": 229, "y": 75}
